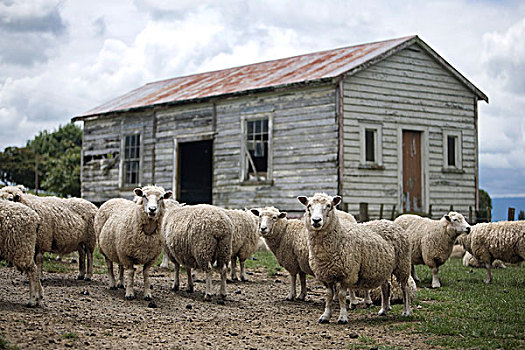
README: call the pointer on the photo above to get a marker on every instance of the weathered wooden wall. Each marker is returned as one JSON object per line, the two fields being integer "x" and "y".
{"x": 409, "y": 90}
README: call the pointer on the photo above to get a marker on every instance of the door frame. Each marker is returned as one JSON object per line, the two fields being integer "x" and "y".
{"x": 425, "y": 177}
{"x": 184, "y": 139}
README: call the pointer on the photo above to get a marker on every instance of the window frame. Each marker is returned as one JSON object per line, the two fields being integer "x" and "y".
{"x": 378, "y": 145}
{"x": 123, "y": 159}
{"x": 458, "y": 135}
{"x": 244, "y": 161}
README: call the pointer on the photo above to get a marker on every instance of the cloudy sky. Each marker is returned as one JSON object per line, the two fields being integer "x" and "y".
{"x": 61, "y": 58}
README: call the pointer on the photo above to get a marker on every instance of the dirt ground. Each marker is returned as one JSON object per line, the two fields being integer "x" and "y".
{"x": 88, "y": 315}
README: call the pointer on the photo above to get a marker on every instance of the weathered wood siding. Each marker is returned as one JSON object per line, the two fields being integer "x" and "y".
{"x": 304, "y": 148}
{"x": 409, "y": 90}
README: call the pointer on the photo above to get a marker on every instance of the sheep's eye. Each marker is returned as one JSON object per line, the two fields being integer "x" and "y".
{"x": 274, "y": 218}
{"x": 328, "y": 207}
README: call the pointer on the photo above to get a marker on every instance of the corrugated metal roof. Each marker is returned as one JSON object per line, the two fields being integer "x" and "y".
{"x": 298, "y": 69}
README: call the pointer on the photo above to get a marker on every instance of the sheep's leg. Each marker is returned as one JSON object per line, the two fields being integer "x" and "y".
{"x": 189, "y": 286}
{"x": 243, "y": 272}
{"x": 435, "y": 278}
{"x": 413, "y": 273}
{"x": 147, "y": 281}
{"x": 39, "y": 257}
{"x": 35, "y": 288}
{"x": 385, "y": 299}
{"x": 111, "y": 274}
{"x": 81, "y": 263}
{"x": 367, "y": 299}
{"x": 120, "y": 283}
{"x": 222, "y": 289}
{"x": 89, "y": 255}
{"x": 353, "y": 299}
{"x": 207, "y": 295}
{"x": 175, "y": 285}
{"x": 489, "y": 273}
{"x": 343, "y": 313}
{"x": 291, "y": 294}
{"x": 165, "y": 264}
{"x": 234, "y": 268}
{"x": 406, "y": 300}
{"x": 325, "y": 317}
{"x": 302, "y": 280}
{"x": 130, "y": 275}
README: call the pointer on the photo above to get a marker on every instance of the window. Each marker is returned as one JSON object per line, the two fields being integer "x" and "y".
{"x": 131, "y": 167}
{"x": 256, "y": 149}
{"x": 452, "y": 150}
{"x": 371, "y": 136}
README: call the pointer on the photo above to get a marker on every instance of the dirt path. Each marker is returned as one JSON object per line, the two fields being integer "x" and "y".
{"x": 87, "y": 315}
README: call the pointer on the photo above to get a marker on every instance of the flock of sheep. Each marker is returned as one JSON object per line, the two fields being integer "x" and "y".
{"x": 374, "y": 260}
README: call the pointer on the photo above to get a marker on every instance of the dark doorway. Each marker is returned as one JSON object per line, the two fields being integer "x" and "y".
{"x": 195, "y": 172}
{"x": 412, "y": 189}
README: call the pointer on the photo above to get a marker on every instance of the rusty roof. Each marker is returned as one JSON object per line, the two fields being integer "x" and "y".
{"x": 277, "y": 73}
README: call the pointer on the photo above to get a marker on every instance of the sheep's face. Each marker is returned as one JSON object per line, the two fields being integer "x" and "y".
{"x": 319, "y": 209}
{"x": 267, "y": 219}
{"x": 11, "y": 193}
{"x": 151, "y": 199}
{"x": 455, "y": 222}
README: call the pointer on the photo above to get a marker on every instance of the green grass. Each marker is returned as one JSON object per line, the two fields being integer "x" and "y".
{"x": 70, "y": 336}
{"x": 4, "y": 345}
{"x": 266, "y": 261}
{"x": 467, "y": 313}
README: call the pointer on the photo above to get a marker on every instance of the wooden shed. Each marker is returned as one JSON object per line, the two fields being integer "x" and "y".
{"x": 388, "y": 123}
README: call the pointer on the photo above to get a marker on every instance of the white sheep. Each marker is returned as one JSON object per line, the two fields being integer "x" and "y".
{"x": 432, "y": 241}
{"x": 503, "y": 240}
{"x": 197, "y": 236}
{"x": 244, "y": 239}
{"x": 349, "y": 255}
{"x": 470, "y": 260}
{"x": 129, "y": 233}
{"x": 396, "y": 294}
{"x": 288, "y": 241}
{"x": 18, "y": 235}
{"x": 66, "y": 226}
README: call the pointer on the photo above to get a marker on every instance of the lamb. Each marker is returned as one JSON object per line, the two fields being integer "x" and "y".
{"x": 18, "y": 236}
{"x": 129, "y": 233}
{"x": 244, "y": 239}
{"x": 504, "y": 240}
{"x": 396, "y": 294}
{"x": 353, "y": 256}
{"x": 196, "y": 237}
{"x": 66, "y": 226}
{"x": 470, "y": 260}
{"x": 432, "y": 241}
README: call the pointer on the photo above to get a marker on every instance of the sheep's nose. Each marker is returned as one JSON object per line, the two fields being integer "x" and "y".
{"x": 152, "y": 209}
{"x": 468, "y": 229}
{"x": 316, "y": 222}
{"x": 263, "y": 229}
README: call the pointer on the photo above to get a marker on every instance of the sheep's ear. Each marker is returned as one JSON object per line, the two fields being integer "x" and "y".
{"x": 168, "y": 195}
{"x": 138, "y": 192}
{"x": 282, "y": 215}
{"x": 16, "y": 198}
{"x": 303, "y": 200}
{"x": 255, "y": 211}
{"x": 336, "y": 200}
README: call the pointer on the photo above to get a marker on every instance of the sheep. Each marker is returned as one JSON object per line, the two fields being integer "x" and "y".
{"x": 350, "y": 255}
{"x": 288, "y": 241}
{"x": 66, "y": 226}
{"x": 170, "y": 204}
{"x": 129, "y": 233}
{"x": 196, "y": 237}
{"x": 244, "y": 239}
{"x": 470, "y": 260}
{"x": 432, "y": 241}
{"x": 18, "y": 236}
{"x": 396, "y": 294}
{"x": 504, "y": 240}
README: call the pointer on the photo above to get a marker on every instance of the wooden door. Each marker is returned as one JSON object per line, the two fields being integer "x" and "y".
{"x": 412, "y": 185}
{"x": 195, "y": 172}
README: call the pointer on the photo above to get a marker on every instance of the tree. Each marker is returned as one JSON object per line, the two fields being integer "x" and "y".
{"x": 485, "y": 207}
{"x": 51, "y": 161}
